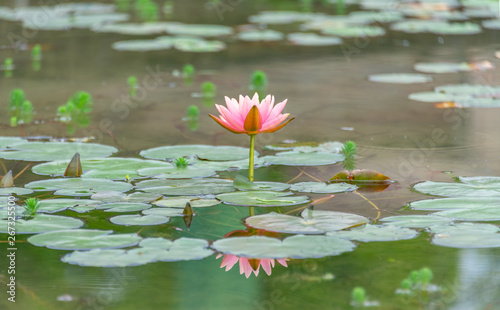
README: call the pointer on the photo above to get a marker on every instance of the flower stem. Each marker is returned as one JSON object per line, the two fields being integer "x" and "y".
{"x": 250, "y": 163}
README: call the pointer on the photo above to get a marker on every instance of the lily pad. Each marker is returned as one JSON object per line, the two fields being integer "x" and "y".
{"x": 467, "y": 235}
{"x": 189, "y": 187}
{"x": 369, "y": 233}
{"x": 400, "y": 78}
{"x": 491, "y": 24}
{"x": 463, "y": 228}
{"x": 61, "y": 204}
{"x": 84, "y": 239}
{"x": 243, "y": 184}
{"x": 142, "y": 45}
{"x": 180, "y": 202}
{"x": 477, "y": 103}
{"x": 322, "y": 188}
{"x": 473, "y": 90}
{"x": 6, "y": 191}
{"x": 137, "y": 219}
{"x": 198, "y": 30}
{"x": 293, "y": 158}
{"x": 416, "y": 221}
{"x": 108, "y": 168}
{"x": 431, "y": 97}
{"x": 312, "y": 39}
{"x": 261, "y": 35}
{"x": 151, "y": 250}
{"x": 311, "y": 222}
{"x": 354, "y": 31}
{"x": 48, "y": 151}
{"x": 114, "y": 196}
{"x": 297, "y": 247}
{"x": 172, "y": 172}
{"x": 41, "y": 223}
{"x": 282, "y": 17}
{"x": 262, "y": 199}
{"x": 442, "y": 67}
{"x": 9, "y": 141}
{"x": 476, "y": 214}
{"x": 124, "y": 207}
{"x": 206, "y": 152}
{"x": 470, "y": 187}
{"x": 78, "y": 186}
{"x": 134, "y": 28}
{"x": 168, "y": 212}
{"x": 436, "y": 27}
{"x": 462, "y": 203}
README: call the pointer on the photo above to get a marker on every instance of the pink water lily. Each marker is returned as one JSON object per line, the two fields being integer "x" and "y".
{"x": 251, "y": 116}
{"x": 249, "y": 265}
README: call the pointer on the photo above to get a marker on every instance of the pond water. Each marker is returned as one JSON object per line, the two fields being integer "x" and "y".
{"x": 332, "y": 99}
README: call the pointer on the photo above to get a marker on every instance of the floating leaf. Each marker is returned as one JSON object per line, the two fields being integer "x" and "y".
{"x": 6, "y": 191}
{"x": 195, "y": 30}
{"x": 369, "y": 233}
{"x": 322, "y": 188}
{"x": 180, "y": 202}
{"x": 463, "y": 228}
{"x": 400, "y": 78}
{"x": 10, "y": 141}
{"x": 137, "y": 219}
{"x": 416, "y": 221}
{"x": 470, "y": 187}
{"x": 476, "y": 214}
{"x": 61, "y": 204}
{"x": 187, "y": 187}
{"x": 48, "y": 151}
{"x": 467, "y": 235}
{"x": 298, "y": 247}
{"x": 261, "y": 35}
{"x": 173, "y": 172}
{"x": 312, "y": 39}
{"x": 168, "y": 212}
{"x": 367, "y": 180}
{"x": 151, "y": 250}
{"x": 84, "y": 239}
{"x": 206, "y": 152}
{"x": 114, "y": 196}
{"x": 283, "y": 17}
{"x": 463, "y": 203}
{"x": 41, "y": 223}
{"x": 142, "y": 45}
{"x": 432, "y": 97}
{"x": 303, "y": 159}
{"x": 242, "y": 183}
{"x": 442, "y": 67}
{"x": 354, "y": 31}
{"x": 78, "y": 186}
{"x": 124, "y": 207}
{"x": 311, "y": 222}
{"x": 436, "y": 27}
{"x": 262, "y": 199}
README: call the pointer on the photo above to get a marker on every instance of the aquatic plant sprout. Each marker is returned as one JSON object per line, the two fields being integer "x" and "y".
{"x": 31, "y": 206}
{"x": 252, "y": 117}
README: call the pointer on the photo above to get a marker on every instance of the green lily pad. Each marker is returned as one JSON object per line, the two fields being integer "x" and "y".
{"x": 151, "y": 250}
{"x": 84, "y": 239}
{"x": 470, "y": 187}
{"x": 124, "y": 207}
{"x": 312, "y": 39}
{"x": 283, "y": 17}
{"x": 48, "y": 151}
{"x": 61, "y": 204}
{"x": 322, "y": 188}
{"x": 262, "y": 199}
{"x": 476, "y": 214}
{"x": 192, "y": 44}
{"x": 473, "y": 90}
{"x": 189, "y": 187}
{"x": 195, "y": 30}
{"x": 6, "y": 191}
{"x": 206, "y": 152}
{"x": 369, "y": 233}
{"x": 297, "y": 247}
{"x": 400, "y": 78}
{"x": 354, "y": 31}
{"x": 137, "y": 219}
{"x": 180, "y": 202}
{"x": 142, "y": 45}
{"x": 9, "y": 141}
{"x": 491, "y": 24}
{"x": 462, "y": 203}
{"x": 107, "y": 168}
{"x": 243, "y": 184}
{"x": 134, "y": 28}
{"x": 307, "y": 147}
{"x": 172, "y": 172}
{"x": 168, "y": 212}
{"x": 293, "y": 158}
{"x": 311, "y": 222}
{"x": 261, "y": 35}
{"x": 78, "y": 186}
{"x": 231, "y": 165}
{"x": 58, "y": 23}
{"x": 416, "y": 221}
{"x": 41, "y": 223}
{"x": 114, "y": 196}
{"x": 466, "y": 235}
{"x": 442, "y": 67}
{"x": 463, "y": 228}
{"x": 431, "y": 97}
{"x": 477, "y": 103}
{"x": 436, "y": 27}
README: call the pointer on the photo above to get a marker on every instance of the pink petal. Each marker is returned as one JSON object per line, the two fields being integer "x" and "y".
{"x": 265, "y": 108}
{"x": 274, "y": 122}
{"x": 232, "y": 106}
{"x": 283, "y": 261}
{"x": 230, "y": 118}
{"x": 229, "y": 261}
{"x": 277, "y": 109}
{"x": 231, "y": 126}
{"x": 245, "y": 267}
{"x": 266, "y": 265}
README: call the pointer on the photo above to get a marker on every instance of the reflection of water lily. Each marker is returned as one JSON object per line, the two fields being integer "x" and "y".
{"x": 249, "y": 265}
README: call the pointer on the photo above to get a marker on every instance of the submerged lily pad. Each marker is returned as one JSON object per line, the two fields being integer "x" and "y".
{"x": 114, "y": 196}
{"x": 322, "y": 188}
{"x": 151, "y": 250}
{"x": 262, "y": 199}
{"x": 188, "y": 187}
{"x": 206, "y": 152}
{"x": 180, "y": 202}
{"x": 137, "y": 219}
{"x": 48, "y": 151}
{"x": 261, "y": 35}
{"x": 293, "y": 158}
{"x": 108, "y": 168}
{"x": 84, "y": 239}
{"x": 6, "y": 191}
{"x": 78, "y": 186}
{"x": 400, "y": 78}
{"x": 312, "y": 39}
{"x": 297, "y": 247}
{"x": 462, "y": 203}
{"x": 41, "y": 223}
{"x": 311, "y": 222}
{"x": 470, "y": 187}
{"x": 369, "y": 233}
{"x": 416, "y": 221}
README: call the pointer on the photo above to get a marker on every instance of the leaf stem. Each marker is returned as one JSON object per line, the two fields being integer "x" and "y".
{"x": 251, "y": 158}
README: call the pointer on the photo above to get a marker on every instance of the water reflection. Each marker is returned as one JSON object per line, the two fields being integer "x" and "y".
{"x": 249, "y": 265}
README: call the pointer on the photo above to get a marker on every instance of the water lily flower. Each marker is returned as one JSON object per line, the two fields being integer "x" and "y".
{"x": 249, "y": 265}
{"x": 252, "y": 117}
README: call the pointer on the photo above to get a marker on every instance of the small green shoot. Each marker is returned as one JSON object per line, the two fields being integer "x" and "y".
{"x": 208, "y": 89}
{"x": 188, "y": 74}
{"x": 349, "y": 150}
{"x": 79, "y": 103}
{"x": 8, "y": 67}
{"x": 132, "y": 85}
{"x": 193, "y": 112}
{"x": 31, "y": 206}
{"x": 358, "y": 296}
{"x": 20, "y": 109}
{"x": 181, "y": 162}
{"x": 147, "y": 10}
{"x": 36, "y": 57}
{"x": 258, "y": 81}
